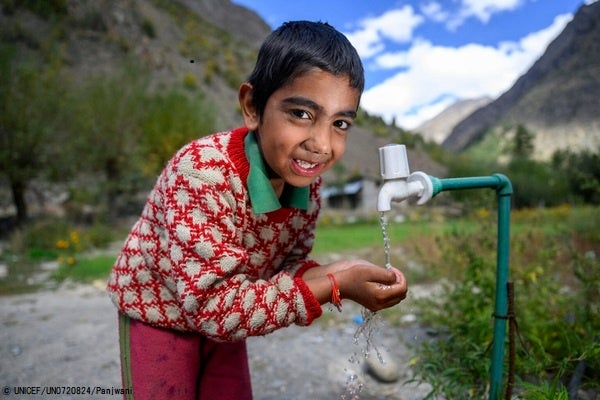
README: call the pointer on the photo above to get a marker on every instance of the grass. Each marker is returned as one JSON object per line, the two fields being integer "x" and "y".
{"x": 86, "y": 269}
{"x": 343, "y": 237}
{"x": 30, "y": 252}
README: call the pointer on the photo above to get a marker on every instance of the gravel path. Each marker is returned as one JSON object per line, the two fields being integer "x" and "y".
{"x": 68, "y": 337}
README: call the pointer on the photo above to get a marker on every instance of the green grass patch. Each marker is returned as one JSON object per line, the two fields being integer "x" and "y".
{"x": 344, "y": 237}
{"x": 86, "y": 269}
{"x": 37, "y": 254}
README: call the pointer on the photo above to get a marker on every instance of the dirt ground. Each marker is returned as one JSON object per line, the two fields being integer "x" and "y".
{"x": 67, "y": 337}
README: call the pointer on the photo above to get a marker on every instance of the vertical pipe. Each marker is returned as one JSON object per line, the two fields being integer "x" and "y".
{"x": 510, "y": 380}
{"x": 503, "y": 191}
{"x": 500, "y": 310}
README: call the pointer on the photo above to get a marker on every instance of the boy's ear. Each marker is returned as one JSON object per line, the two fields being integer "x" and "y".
{"x": 249, "y": 114}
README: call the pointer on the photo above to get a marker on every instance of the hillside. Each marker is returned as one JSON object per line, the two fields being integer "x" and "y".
{"x": 556, "y": 99}
{"x": 438, "y": 128}
{"x": 210, "y": 44}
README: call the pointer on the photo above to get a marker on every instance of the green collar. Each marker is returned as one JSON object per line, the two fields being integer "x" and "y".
{"x": 262, "y": 195}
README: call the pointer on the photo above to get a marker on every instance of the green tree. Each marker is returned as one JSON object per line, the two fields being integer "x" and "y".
{"x": 582, "y": 173}
{"x": 172, "y": 119}
{"x": 537, "y": 184}
{"x": 523, "y": 144}
{"x": 127, "y": 129}
{"x": 107, "y": 129}
{"x": 33, "y": 122}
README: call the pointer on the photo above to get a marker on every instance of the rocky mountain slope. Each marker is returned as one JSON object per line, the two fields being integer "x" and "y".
{"x": 208, "y": 44}
{"x": 438, "y": 128}
{"x": 557, "y": 99}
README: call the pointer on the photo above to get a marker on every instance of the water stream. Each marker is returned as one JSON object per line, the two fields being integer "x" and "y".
{"x": 368, "y": 328}
{"x": 386, "y": 239}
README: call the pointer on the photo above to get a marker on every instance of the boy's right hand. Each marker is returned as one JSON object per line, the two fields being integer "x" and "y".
{"x": 372, "y": 286}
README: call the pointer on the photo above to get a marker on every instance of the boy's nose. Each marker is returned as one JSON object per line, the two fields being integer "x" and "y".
{"x": 319, "y": 141}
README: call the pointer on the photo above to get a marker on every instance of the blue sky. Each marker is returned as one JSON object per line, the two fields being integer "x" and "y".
{"x": 420, "y": 56}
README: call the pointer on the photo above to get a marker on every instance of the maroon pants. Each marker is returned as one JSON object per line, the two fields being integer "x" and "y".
{"x": 167, "y": 364}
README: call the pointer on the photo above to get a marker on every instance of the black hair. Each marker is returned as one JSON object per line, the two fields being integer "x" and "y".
{"x": 295, "y": 48}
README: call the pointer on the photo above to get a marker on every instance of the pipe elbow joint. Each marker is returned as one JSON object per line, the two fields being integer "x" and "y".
{"x": 424, "y": 186}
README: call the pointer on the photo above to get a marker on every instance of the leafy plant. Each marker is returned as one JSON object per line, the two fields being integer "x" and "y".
{"x": 457, "y": 364}
{"x": 557, "y": 291}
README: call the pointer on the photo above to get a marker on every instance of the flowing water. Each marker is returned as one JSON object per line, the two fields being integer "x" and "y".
{"x": 367, "y": 329}
{"x": 386, "y": 239}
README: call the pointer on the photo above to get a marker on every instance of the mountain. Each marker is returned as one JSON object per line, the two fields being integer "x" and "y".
{"x": 240, "y": 22}
{"x": 208, "y": 44}
{"x": 557, "y": 99}
{"x": 439, "y": 127}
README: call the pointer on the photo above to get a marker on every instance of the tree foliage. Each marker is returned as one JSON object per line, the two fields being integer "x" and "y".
{"x": 107, "y": 128}
{"x": 582, "y": 172}
{"x": 33, "y": 125}
{"x": 569, "y": 177}
{"x": 100, "y": 136}
{"x": 173, "y": 118}
{"x": 523, "y": 143}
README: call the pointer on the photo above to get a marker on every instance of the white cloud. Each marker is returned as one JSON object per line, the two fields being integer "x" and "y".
{"x": 434, "y": 11}
{"x": 396, "y": 25}
{"x": 480, "y": 9}
{"x": 483, "y": 9}
{"x": 433, "y": 76}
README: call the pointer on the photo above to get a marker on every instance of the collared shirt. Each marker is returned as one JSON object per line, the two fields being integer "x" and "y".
{"x": 262, "y": 194}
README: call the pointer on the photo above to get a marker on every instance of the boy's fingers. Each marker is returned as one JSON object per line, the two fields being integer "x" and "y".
{"x": 383, "y": 276}
{"x": 399, "y": 275}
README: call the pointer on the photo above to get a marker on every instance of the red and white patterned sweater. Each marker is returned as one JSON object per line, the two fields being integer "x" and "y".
{"x": 200, "y": 260}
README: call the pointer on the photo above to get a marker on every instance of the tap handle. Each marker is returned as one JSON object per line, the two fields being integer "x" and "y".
{"x": 393, "y": 162}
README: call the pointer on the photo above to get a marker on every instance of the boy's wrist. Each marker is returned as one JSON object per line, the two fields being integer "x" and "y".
{"x": 336, "y": 298}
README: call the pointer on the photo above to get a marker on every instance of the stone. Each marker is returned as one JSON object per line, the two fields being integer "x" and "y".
{"x": 381, "y": 366}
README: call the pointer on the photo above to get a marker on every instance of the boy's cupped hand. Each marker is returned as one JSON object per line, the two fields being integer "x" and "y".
{"x": 372, "y": 286}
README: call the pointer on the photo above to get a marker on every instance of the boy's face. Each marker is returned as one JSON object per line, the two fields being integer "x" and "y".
{"x": 303, "y": 129}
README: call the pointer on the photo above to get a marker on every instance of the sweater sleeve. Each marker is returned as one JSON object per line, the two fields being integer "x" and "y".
{"x": 209, "y": 260}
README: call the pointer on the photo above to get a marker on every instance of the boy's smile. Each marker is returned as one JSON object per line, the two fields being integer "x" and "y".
{"x": 303, "y": 129}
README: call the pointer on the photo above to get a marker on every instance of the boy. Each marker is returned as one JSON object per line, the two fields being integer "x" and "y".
{"x": 220, "y": 251}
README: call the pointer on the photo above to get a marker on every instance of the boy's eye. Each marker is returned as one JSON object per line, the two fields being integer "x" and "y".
{"x": 300, "y": 114}
{"x": 343, "y": 125}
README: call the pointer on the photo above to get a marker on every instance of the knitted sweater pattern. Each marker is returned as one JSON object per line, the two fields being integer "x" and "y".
{"x": 199, "y": 259}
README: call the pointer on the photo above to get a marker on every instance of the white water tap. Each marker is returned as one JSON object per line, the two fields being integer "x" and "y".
{"x": 399, "y": 184}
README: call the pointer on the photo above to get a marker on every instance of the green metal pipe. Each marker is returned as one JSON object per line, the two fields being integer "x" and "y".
{"x": 504, "y": 191}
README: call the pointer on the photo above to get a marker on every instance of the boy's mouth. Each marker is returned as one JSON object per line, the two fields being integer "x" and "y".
{"x": 305, "y": 164}
{"x": 307, "y": 168}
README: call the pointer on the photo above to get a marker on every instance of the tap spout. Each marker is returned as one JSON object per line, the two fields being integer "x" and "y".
{"x": 418, "y": 185}
{"x": 399, "y": 184}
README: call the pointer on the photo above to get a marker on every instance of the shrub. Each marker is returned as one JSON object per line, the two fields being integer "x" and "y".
{"x": 148, "y": 28}
{"x": 556, "y": 274}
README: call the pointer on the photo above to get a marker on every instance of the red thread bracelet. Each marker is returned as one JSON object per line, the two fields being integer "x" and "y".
{"x": 336, "y": 299}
